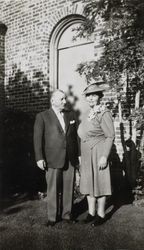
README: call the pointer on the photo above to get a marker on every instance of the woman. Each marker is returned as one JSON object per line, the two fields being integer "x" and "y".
{"x": 96, "y": 131}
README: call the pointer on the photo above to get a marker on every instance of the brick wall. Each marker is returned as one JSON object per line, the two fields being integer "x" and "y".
{"x": 2, "y": 68}
{"x": 2, "y": 61}
{"x": 30, "y": 24}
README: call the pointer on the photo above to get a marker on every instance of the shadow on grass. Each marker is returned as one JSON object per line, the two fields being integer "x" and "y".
{"x": 14, "y": 210}
{"x": 80, "y": 207}
{"x": 11, "y": 204}
{"x": 119, "y": 199}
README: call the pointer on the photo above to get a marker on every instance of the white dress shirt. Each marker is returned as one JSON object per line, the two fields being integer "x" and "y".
{"x": 60, "y": 118}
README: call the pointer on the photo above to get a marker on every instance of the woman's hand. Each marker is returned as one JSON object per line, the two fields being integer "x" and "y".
{"x": 78, "y": 166}
{"x": 102, "y": 163}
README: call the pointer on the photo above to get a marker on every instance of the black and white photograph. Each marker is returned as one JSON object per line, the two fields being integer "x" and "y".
{"x": 71, "y": 124}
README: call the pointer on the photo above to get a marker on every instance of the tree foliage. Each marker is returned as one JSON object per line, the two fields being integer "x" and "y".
{"x": 122, "y": 36}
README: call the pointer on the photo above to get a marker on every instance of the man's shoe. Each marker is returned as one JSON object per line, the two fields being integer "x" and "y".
{"x": 88, "y": 219}
{"x": 98, "y": 221}
{"x": 50, "y": 223}
{"x": 70, "y": 221}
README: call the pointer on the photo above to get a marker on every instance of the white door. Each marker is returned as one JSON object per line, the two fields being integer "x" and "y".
{"x": 70, "y": 54}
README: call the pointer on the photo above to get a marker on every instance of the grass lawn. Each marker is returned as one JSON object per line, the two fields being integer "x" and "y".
{"x": 22, "y": 226}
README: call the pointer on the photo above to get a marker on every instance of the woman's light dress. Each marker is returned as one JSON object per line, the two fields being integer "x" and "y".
{"x": 97, "y": 135}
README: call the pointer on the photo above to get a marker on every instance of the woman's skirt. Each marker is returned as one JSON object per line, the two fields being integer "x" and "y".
{"x": 93, "y": 181}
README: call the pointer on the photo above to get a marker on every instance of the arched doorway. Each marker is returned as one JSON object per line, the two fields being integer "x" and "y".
{"x": 65, "y": 55}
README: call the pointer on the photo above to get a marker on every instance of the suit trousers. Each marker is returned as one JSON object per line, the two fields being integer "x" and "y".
{"x": 60, "y": 181}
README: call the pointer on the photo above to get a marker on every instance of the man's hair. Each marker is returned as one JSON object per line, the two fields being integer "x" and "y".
{"x": 53, "y": 94}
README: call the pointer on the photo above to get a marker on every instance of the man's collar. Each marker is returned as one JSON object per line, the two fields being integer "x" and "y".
{"x": 55, "y": 110}
{"x": 63, "y": 111}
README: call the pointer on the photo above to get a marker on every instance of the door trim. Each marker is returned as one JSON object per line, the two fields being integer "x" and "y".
{"x": 54, "y": 40}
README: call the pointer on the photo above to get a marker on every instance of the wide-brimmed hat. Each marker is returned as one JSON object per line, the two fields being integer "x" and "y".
{"x": 94, "y": 88}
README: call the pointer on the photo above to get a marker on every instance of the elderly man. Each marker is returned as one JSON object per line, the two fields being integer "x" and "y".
{"x": 56, "y": 151}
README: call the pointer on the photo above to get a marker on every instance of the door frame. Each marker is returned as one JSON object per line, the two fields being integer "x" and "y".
{"x": 54, "y": 40}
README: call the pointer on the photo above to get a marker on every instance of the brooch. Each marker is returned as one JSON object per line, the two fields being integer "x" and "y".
{"x": 93, "y": 112}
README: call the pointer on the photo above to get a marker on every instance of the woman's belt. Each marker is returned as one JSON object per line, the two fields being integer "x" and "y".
{"x": 92, "y": 142}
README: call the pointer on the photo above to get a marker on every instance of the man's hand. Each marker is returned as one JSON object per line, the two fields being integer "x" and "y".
{"x": 41, "y": 164}
{"x": 79, "y": 160}
{"x": 102, "y": 163}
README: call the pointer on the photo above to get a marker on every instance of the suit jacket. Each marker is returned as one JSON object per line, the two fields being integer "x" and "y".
{"x": 52, "y": 143}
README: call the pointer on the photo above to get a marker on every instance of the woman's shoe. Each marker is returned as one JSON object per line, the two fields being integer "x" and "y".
{"x": 88, "y": 219}
{"x": 98, "y": 221}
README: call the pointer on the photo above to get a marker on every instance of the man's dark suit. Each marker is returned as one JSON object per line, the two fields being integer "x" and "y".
{"x": 60, "y": 150}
